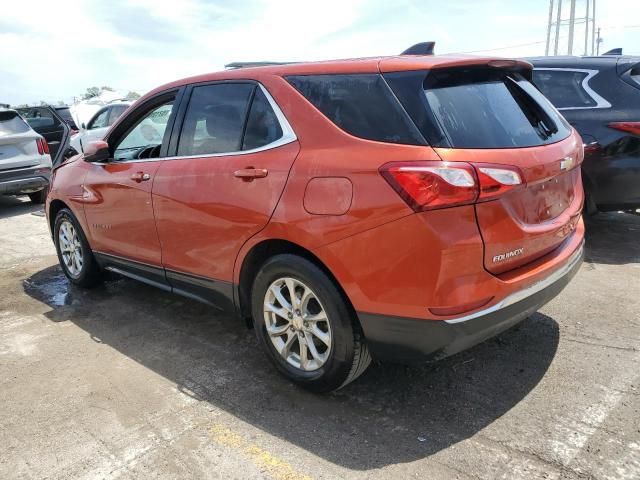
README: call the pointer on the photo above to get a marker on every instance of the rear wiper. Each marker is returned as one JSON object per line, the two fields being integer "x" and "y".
{"x": 537, "y": 116}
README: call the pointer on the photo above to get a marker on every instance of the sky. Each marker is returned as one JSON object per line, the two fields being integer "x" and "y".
{"x": 53, "y": 50}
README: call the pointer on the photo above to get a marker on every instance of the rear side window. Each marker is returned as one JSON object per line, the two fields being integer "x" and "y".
{"x": 359, "y": 104}
{"x": 478, "y": 108}
{"x": 263, "y": 127}
{"x": 11, "y": 123}
{"x": 215, "y": 119}
{"x": 565, "y": 88}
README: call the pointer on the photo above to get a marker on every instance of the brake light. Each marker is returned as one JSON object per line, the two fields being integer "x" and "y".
{"x": 496, "y": 180}
{"x": 629, "y": 127}
{"x": 43, "y": 146}
{"x": 432, "y": 185}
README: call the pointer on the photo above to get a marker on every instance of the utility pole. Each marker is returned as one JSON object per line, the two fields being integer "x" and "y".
{"x": 598, "y": 42}
{"x": 586, "y": 31}
{"x": 593, "y": 28}
{"x": 571, "y": 22}
{"x": 546, "y": 50}
{"x": 558, "y": 17}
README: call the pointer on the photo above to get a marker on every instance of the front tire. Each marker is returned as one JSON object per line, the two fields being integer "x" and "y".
{"x": 305, "y": 325}
{"x": 74, "y": 253}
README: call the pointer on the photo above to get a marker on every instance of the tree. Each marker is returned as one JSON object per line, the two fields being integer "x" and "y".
{"x": 132, "y": 96}
{"x": 90, "y": 93}
{"x": 43, "y": 103}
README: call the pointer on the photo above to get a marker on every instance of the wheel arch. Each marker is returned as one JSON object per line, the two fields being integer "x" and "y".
{"x": 54, "y": 207}
{"x": 259, "y": 254}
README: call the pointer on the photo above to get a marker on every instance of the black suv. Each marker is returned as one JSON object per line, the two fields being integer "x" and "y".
{"x": 600, "y": 97}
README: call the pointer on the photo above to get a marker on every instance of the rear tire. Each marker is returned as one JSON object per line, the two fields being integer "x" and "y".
{"x": 74, "y": 253}
{"x": 38, "y": 197}
{"x": 315, "y": 341}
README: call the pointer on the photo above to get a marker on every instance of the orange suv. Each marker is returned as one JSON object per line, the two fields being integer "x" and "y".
{"x": 398, "y": 208}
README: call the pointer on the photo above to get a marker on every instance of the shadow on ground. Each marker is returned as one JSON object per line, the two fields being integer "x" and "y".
{"x": 613, "y": 238}
{"x": 393, "y": 414}
{"x": 13, "y": 206}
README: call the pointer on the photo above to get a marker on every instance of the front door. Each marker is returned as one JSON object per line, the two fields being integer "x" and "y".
{"x": 118, "y": 205}
{"x": 233, "y": 157}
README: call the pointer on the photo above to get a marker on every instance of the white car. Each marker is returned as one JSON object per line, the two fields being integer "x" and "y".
{"x": 99, "y": 125}
{"x": 25, "y": 162}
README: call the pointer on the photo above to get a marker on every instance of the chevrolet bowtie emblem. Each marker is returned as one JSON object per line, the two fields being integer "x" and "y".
{"x": 566, "y": 163}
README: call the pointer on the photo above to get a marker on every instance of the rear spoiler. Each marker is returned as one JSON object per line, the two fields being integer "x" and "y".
{"x": 424, "y": 48}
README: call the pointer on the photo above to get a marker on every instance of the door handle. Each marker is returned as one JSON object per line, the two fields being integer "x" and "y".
{"x": 248, "y": 174}
{"x": 140, "y": 177}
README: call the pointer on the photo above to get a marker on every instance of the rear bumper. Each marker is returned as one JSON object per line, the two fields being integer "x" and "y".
{"x": 24, "y": 180}
{"x": 408, "y": 340}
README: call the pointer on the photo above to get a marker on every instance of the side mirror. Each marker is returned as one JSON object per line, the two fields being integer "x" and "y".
{"x": 96, "y": 151}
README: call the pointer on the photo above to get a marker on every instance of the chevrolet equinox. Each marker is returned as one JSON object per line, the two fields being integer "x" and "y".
{"x": 396, "y": 208}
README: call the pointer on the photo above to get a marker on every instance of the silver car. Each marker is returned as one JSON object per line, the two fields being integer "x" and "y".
{"x": 25, "y": 162}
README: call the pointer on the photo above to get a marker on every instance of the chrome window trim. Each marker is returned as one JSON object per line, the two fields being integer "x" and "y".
{"x": 575, "y": 258}
{"x": 288, "y": 136}
{"x": 600, "y": 101}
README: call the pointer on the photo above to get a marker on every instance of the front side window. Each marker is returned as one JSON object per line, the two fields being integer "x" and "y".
{"x": 215, "y": 119}
{"x": 564, "y": 88}
{"x": 145, "y": 138}
{"x": 101, "y": 120}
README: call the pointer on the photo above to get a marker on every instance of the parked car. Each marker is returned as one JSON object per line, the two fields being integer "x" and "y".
{"x": 65, "y": 113}
{"x": 98, "y": 126}
{"x": 600, "y": 97}
{"x": 25, "y": 163}
{"x": 46, "y": 121}
{"x": 401, "y": 208}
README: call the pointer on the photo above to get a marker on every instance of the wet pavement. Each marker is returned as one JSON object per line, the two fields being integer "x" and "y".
{"x": 127, "y": 381}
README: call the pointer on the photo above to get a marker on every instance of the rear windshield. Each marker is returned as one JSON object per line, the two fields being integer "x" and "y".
{"x": 10, "y": 123}
{"x": 478, "y": 108}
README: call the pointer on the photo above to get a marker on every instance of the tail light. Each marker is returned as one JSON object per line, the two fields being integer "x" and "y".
{"x": 432, "y": 185}
{"x": 43, "y": 146}
{"x": 629, "y": 127}
{"x": 495, "y": 182}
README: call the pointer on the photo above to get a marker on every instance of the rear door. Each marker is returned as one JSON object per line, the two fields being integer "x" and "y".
{"x": 51, "y": 126}
{"x": 231, "y": 162}
{"x": 494, "y": 118}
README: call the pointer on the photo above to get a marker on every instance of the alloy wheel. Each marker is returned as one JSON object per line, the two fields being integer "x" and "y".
{"x": 297, "y": 324}
{"x": 70, "y": 248}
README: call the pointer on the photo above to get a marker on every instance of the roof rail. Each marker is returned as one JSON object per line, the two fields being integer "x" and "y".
{"x": 424, "y": 48}
{"x": 253, "y": 64}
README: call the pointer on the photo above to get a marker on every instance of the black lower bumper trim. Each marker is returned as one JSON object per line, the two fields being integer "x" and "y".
{"x": 23, "y": 180}
{"x": 410, "y": 341}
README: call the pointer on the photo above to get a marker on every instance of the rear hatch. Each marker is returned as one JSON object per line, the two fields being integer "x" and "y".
{"x": 525, "y": 156}
{"x": 18, "y": 147}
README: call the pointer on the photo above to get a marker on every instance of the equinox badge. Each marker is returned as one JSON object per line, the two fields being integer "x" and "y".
{"x": 505, "y": 256}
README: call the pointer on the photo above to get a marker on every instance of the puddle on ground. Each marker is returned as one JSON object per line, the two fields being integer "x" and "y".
{"x": 54, "y": 289}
